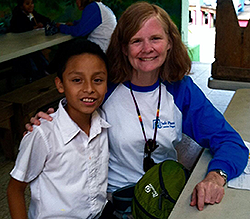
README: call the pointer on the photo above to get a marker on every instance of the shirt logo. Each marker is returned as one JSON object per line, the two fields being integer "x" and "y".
{"x": 163, "y": 124}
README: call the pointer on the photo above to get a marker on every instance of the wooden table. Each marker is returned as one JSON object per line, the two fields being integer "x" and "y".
{"x": 13, "y": 45}
{"x": 235, "y": 204}
{"x": 34, "y": 95}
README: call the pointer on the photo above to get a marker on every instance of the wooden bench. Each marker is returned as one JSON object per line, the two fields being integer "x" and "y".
{"x": 29, "y": 99}
{"x": 6, "y": 136}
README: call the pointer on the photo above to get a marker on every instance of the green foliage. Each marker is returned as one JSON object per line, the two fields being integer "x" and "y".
{"x": 48, "y": 4}
{"x": 173, "y": 7}
{"x": 118, "y": 6}
{"x": 70, "y": 2}
{"x": 7, "y": 4}
{"x": 55, "y": 9}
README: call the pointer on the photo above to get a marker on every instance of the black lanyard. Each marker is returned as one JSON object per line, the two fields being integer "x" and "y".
{"x": 150, "y": 145}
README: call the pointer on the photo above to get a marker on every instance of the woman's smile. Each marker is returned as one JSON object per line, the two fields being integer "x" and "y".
{"x": 148, "y": 59}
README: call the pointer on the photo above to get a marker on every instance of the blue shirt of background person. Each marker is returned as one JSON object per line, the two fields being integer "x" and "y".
{"x": 97, "y": 21}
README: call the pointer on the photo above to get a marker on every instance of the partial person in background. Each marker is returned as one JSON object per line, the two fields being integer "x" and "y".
{"x": 97, "y": 22}
{"x": 25, "y": 18}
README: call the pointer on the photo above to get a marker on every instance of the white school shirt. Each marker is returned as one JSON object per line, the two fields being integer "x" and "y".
{"x": 67, "y": 170}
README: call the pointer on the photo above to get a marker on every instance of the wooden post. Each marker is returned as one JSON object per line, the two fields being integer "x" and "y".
{"x": 232, "y": 45}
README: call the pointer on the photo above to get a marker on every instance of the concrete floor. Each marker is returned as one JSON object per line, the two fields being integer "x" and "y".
{"x": 219, "y": 98}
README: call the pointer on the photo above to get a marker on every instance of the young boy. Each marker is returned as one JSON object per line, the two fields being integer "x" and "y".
{"x": 66, "y": 161}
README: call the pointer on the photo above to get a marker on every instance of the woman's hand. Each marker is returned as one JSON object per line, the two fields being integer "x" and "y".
{"x": 208, "y": 191}
{"x": 35, "y": 120}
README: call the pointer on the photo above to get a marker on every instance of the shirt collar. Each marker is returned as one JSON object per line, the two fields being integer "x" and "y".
{"x": 142, "y": 88}
{"x": 69, "y": 129}
{"x": 97, "y": 123}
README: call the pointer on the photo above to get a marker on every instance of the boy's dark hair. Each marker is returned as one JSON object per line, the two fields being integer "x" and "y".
{"x": 84, "y": 3}
{"x": 71, "y": 48}
{"x": 20, "y": 2}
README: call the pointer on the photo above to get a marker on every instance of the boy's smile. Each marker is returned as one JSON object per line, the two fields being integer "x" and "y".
{"x": 84, "y": 84}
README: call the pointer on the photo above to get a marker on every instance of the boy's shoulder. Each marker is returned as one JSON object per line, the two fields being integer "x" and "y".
{"x": 49, "y": 129}
{"x": 46, "y": 123}
{"x": 61, "y": 121}
{"x": 17, "y": 11}
{"x": 46, "y": 126}
{"x": 41, "y": 133}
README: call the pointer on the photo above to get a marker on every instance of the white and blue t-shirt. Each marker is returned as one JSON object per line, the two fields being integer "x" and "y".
{"x": 184, "y": 109}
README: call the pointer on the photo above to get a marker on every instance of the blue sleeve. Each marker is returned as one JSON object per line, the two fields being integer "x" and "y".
{"x": 207, "y": 126}
{"x": 91, "y": 19}
{"x": 76, "y": 22}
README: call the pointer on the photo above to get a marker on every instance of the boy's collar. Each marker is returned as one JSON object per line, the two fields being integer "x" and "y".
{"x": 70, "y": 129}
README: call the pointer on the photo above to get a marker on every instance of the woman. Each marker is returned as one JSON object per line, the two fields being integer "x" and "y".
{"x": 151, "y": 102}
{"x": 151, "y": 51}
